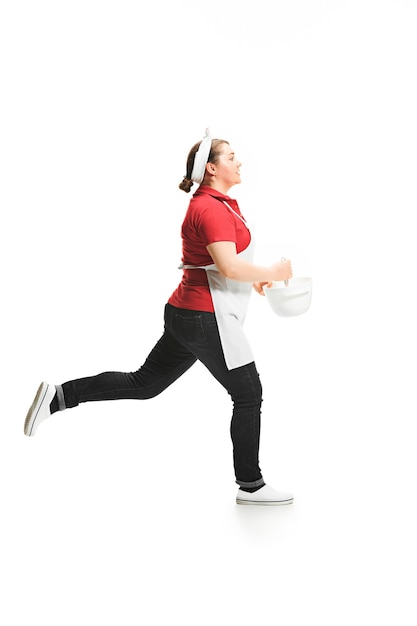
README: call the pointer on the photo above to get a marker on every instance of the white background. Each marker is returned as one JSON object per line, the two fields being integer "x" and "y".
{"x": 123, "y": 513}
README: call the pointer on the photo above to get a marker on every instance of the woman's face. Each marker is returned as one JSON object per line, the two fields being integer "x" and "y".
{"x": 227, "y": 169}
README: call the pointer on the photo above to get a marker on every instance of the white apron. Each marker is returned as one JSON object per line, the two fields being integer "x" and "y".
{"x": 230, "y": 301}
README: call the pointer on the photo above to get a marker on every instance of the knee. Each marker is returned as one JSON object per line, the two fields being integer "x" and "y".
{"x": 250, "y": 392}
{"x": 257, "y": 389}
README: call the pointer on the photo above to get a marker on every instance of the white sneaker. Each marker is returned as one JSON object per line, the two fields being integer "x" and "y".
{"x": 264, "y": 496}
{"x": 39, "y": 410}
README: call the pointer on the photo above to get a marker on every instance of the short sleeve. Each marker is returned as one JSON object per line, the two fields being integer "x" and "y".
{"x": 216, "y": 223}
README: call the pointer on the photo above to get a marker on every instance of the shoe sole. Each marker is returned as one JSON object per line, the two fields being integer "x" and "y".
{"x": 265, "y": 502}
{"x": 34, "y": 409}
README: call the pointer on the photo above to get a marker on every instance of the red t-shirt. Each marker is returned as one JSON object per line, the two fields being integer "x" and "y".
{"x": 207, "y": 220}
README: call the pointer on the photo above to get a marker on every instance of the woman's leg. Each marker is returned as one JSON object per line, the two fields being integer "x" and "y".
{"x": 167, "y": 361}
{"x": 198, "y": 332}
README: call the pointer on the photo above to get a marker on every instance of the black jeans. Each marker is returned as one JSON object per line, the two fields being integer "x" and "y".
{"x": 188, "y": 336}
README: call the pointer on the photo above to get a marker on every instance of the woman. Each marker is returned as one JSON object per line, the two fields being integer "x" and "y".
{"x": 203, "y": 320}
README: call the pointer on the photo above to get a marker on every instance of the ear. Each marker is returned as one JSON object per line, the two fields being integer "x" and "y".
{"x": 211, "y": 168}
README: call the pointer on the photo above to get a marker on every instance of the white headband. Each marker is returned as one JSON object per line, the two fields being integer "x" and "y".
{"x": 201, "y": 158}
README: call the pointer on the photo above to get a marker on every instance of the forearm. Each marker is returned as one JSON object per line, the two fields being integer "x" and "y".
{"x": 233, "y": 266}
{"x": 243, "y": 271}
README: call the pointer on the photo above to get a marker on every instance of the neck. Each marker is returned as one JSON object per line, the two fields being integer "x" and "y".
{"x": 211, "y": 182}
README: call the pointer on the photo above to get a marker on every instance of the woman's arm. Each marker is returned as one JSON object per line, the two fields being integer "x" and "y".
{"x": 232, "y": 266}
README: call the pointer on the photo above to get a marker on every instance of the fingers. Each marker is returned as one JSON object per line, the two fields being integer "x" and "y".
{"x": 259, "y": 287}
{"x": 282, "y": 270}
{"x": 288, "y": 269}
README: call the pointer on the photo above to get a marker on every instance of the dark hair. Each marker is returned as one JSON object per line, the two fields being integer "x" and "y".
{"x": 215, "y": 152}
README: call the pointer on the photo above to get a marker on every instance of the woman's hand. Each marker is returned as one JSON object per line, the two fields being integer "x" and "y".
{"x": 259, "y": 287}
{"x": 282, "y": 270}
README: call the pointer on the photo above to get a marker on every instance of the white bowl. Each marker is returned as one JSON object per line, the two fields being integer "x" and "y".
{"x": 292, "y": 300}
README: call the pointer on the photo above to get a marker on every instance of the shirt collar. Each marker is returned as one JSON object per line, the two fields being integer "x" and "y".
{"x": 205, "y": 189}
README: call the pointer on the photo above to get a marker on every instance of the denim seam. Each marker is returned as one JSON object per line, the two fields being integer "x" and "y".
{"x": 253, "y": 424}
